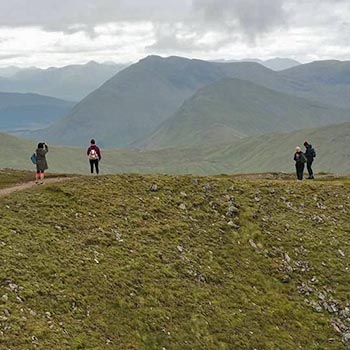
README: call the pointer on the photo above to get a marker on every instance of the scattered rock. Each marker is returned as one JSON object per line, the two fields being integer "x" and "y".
{"x": 5, "y": 298}
{"x": 34, "y": 339}
{"x": 321, "y": 296}
{"x": 183, "y": 194}
{"x": 195, "y": 181}
{"x": 7, "y": 313}
{"x": 346, "y": 337}
{"x": 232, "y": 211}
{"x": 318, "y": 308}
{"x": 305, "y": 289}
{"x": 232, "y": 224}
{"x": 287, "y": 258}
{"x": 341, "y": 253}
{"x": 153, "y": 188}
{"x": 13, "y": 287}
{"x": 317, "y": 219}
{"x": 118, "y": 236}
{"x": 182, "y": 206}
{"x": 180, "y": 248}
{"x": 252, "y": 244}
{"x": 207, "y": 187}
{"x": 331, "y": 308}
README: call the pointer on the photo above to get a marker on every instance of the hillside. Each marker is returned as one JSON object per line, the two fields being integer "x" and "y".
{"x": 71, "y": 83}
{"x": 132, "y": 104}
{"x": 265, "y": 153}
{"x": 30, "y": 111}
{"x": 233, "y": 109}
{"x": 197, "y": 263}
{"x": 326, "y": 81}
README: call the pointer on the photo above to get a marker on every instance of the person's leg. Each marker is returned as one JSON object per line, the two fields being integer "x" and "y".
{"x": 96, "y": 166}
{"x": 91, "y": 166}
{"x": 302, "y": 167}
{"x": 309, "y": 169}
{"x": 37, "y": 176}
{"x": 42, "y": 175}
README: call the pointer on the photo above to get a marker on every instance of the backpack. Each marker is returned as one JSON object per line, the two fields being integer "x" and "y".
{"x": 313, "y": 152}
{"x": 33, "y": 158}
{"x": 93, "y": 155}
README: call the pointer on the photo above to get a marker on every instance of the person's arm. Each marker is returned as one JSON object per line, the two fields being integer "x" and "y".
{"x": 99, "y": 153}
{"x": 88, "y": 151}
{"x": 46, "y": 147}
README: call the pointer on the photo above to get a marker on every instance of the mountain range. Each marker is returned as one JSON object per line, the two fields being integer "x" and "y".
{"x": 23, "y": 112}
{"x": 129, "y": 107}
{"x": 72, "y": 82}
{"x": 234, "y": 109}
{"x": 276, "y": 64}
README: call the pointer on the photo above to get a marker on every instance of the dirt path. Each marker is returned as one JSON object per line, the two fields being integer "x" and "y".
{"x": 24, "y": 186}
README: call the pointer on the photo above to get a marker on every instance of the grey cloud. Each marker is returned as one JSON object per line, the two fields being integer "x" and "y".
{"x": 253, "y": 17}
{"x": 8, "y": 56}
{"x": 58, "y": 15}
{"x": 231, "y": 20}
{"x": 66, "y": 14}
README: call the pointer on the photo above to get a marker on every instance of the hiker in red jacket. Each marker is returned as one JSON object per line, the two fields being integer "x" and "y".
{"x": 94, "y": 155}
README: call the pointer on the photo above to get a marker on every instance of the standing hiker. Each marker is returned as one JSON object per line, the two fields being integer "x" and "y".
{"x": 300, "y": 161}
{"x": 310, "y": 154}
{"x": 41, "y": 163}
{"x": 94, "y": 155}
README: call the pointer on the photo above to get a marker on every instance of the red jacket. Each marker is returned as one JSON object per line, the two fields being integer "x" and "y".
{"x": 94, "y": 147}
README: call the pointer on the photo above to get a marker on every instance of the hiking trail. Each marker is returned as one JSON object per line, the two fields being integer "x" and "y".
{"x": 4, "y": 192}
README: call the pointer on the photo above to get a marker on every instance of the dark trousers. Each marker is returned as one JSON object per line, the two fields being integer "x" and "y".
{"x": 92, "y": 163}
{"x": 300, "y": 170}
{"x": 309, "y": 168}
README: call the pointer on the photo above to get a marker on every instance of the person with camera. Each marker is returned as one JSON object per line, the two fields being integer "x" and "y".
{"x": 41, "y": 162}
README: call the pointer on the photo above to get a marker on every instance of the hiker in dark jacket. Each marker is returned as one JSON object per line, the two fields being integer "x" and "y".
{"x": 41, "y": 163}
{"x": 300, "y": 161}
{"x": 94, "y": 155}
{"x": 310, "y": 155}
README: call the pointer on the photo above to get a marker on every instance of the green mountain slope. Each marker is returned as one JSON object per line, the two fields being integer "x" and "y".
{"x": 133, "y": 103}
{"x": 325, "y": 81}
{"x": 231, "y": 109}
{"x": 265, "y": 153}
{"x": 201, "y": 263}
{"x": 30, "y": 111}
{"x": 137, "y": 100}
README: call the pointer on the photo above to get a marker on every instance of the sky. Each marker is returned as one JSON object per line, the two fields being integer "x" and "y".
{"x": 47, "y": 33}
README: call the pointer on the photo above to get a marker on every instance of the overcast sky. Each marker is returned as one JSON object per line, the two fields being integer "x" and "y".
{"x": 60, "y": 32}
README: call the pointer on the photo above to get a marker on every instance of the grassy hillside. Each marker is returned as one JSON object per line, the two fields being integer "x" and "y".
{"x": 233, "y": 109}
{"x": 325, "y": 81}
{"x": 198, "y": 263}
{"x": 28, "y": 111}
{"x": 134, "y": 102}
{"x": 257, "y": 154}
